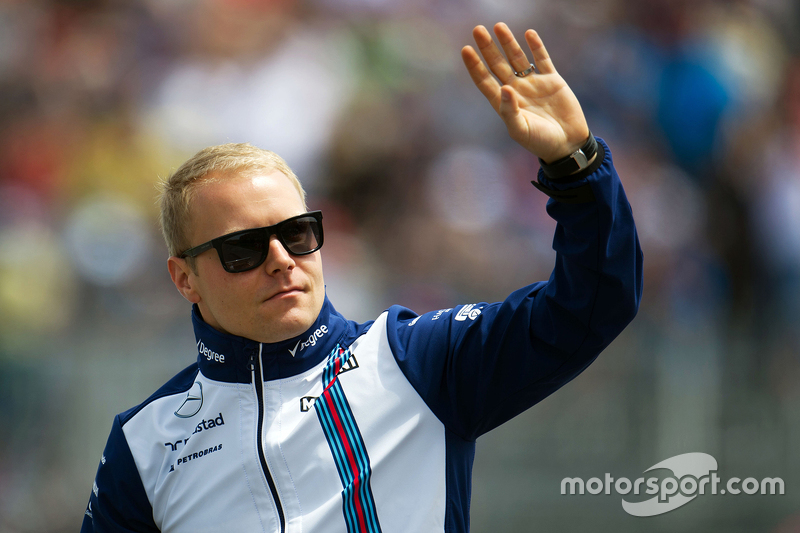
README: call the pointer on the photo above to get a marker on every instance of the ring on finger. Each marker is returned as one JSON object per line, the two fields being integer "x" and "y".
{"x": 525, "y": 72}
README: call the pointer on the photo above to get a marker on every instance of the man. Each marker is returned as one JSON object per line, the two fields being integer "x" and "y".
{"x": 296, "y": 419}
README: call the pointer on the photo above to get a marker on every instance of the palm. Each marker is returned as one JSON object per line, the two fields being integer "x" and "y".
{"x": 541, "y": 113}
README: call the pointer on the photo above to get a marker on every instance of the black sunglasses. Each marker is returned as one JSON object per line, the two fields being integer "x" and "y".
{"x": 245, "y": 250}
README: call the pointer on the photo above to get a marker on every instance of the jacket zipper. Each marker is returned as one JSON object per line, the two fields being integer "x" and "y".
{"x": 255, "y": 368}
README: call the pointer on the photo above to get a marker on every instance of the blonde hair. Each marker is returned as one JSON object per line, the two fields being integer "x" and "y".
{"x": 223, "y": 161}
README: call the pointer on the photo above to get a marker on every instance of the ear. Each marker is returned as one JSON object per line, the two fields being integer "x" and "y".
{"x": 183, "y": 278}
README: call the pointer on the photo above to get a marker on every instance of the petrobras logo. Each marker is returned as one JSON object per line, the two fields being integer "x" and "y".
{"x": 310, "y": 341}
{"x": 210, "y": 355}
{"x": 468, "y": 311}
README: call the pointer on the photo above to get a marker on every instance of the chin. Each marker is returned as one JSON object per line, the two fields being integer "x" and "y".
{"x": 288, "y": 325}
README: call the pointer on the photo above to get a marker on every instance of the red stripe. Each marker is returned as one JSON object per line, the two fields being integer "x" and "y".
{"x": 350, "y": 457}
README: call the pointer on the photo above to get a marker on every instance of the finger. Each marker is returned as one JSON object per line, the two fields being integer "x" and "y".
{"x": 485, "y": 82}
{"x": 516, "y": 56}
{"x": 494, "y": 59}
{"x": 540, "y": 56}
{"x": 509, "y": 112}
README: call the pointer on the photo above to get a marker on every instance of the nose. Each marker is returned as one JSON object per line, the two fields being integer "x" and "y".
{"x": 278, "y": 258}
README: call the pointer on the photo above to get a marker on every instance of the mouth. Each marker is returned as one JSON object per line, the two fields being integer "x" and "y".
{"x": 288, "y": 292}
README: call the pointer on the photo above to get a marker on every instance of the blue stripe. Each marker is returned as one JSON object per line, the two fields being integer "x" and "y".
{"x": 357, "y": 443}
{"x": 359, "y": 450}
{"x": 342, "y": 465}
{"x": 345, "y": 472}
{"x": 329, "y": 429}
{"x": 324, "y": 408}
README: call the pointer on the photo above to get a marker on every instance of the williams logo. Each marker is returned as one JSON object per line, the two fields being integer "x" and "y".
{"x": 193, "y": 402}
{"x": 310, "y": 341}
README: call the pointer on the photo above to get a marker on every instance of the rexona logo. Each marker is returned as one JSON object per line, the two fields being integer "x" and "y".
{"x": 310, "y": 341}
{"x": 210, "y": 355}
{"x": 192, "y": 403}
{"x": 693, "y": 474}
{"x": 468, "y": 311}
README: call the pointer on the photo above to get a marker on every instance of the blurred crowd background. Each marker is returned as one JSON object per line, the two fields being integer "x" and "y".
{"x": 427, "y": 204}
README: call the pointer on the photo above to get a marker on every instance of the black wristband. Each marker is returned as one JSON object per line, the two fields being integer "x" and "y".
{"x": 575, "y": 195}
{"x": 566, "y": 168}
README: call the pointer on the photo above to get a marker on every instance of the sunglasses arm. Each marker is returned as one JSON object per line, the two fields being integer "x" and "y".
{"x": 197, "y": 250}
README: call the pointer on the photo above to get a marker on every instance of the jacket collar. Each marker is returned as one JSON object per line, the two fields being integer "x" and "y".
{"x": 225, "y": 357}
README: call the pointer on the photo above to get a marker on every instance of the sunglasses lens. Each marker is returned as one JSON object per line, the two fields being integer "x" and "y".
{"x": 301, "y": 235}
{"x": 244, "y": 251}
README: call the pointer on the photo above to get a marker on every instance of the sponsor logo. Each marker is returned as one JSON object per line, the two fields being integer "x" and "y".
{"x": 204, "y": 425}
{"x": 310, "y": 341}
{"x": 209, "y": 424}
{"x": 192, "y": 403}
{"x": 210, "y": 355}
{"x": 468, "y": 311}
{"x": 413, "y": 322}
{"x": 307, "y": 402}
{"x": 194, "y": 456}
{"x": 350, "y": 364}
{"x": 174, "y": 445}
{"x": 440, "y": 312}
{"x": 693, "y": 474}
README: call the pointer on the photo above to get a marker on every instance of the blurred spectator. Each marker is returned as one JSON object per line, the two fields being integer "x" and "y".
{"x": 699, "y": 100}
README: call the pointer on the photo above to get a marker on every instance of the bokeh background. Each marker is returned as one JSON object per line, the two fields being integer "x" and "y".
{"x": 427, "y": 204}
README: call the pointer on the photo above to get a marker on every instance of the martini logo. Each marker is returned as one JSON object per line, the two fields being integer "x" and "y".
{"x": 350, "y": 364}
{"x": 307, "y": 402}
{"x": 192, "y": 403}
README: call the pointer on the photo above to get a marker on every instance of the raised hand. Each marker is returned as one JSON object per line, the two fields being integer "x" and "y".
{"x": 540, "y": 110}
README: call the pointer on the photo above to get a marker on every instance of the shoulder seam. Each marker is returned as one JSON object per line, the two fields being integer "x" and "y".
{"x": 163, "y": 392}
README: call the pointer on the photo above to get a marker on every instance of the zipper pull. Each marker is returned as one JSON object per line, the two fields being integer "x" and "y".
{"x": 252, "y": 353}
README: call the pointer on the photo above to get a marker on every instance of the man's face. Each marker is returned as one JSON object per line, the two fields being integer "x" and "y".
{"x": 279, "y": 299}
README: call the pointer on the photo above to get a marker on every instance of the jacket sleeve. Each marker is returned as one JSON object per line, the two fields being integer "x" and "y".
{"x": 479, "y": 365}
{"x": 118, "y": 502}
